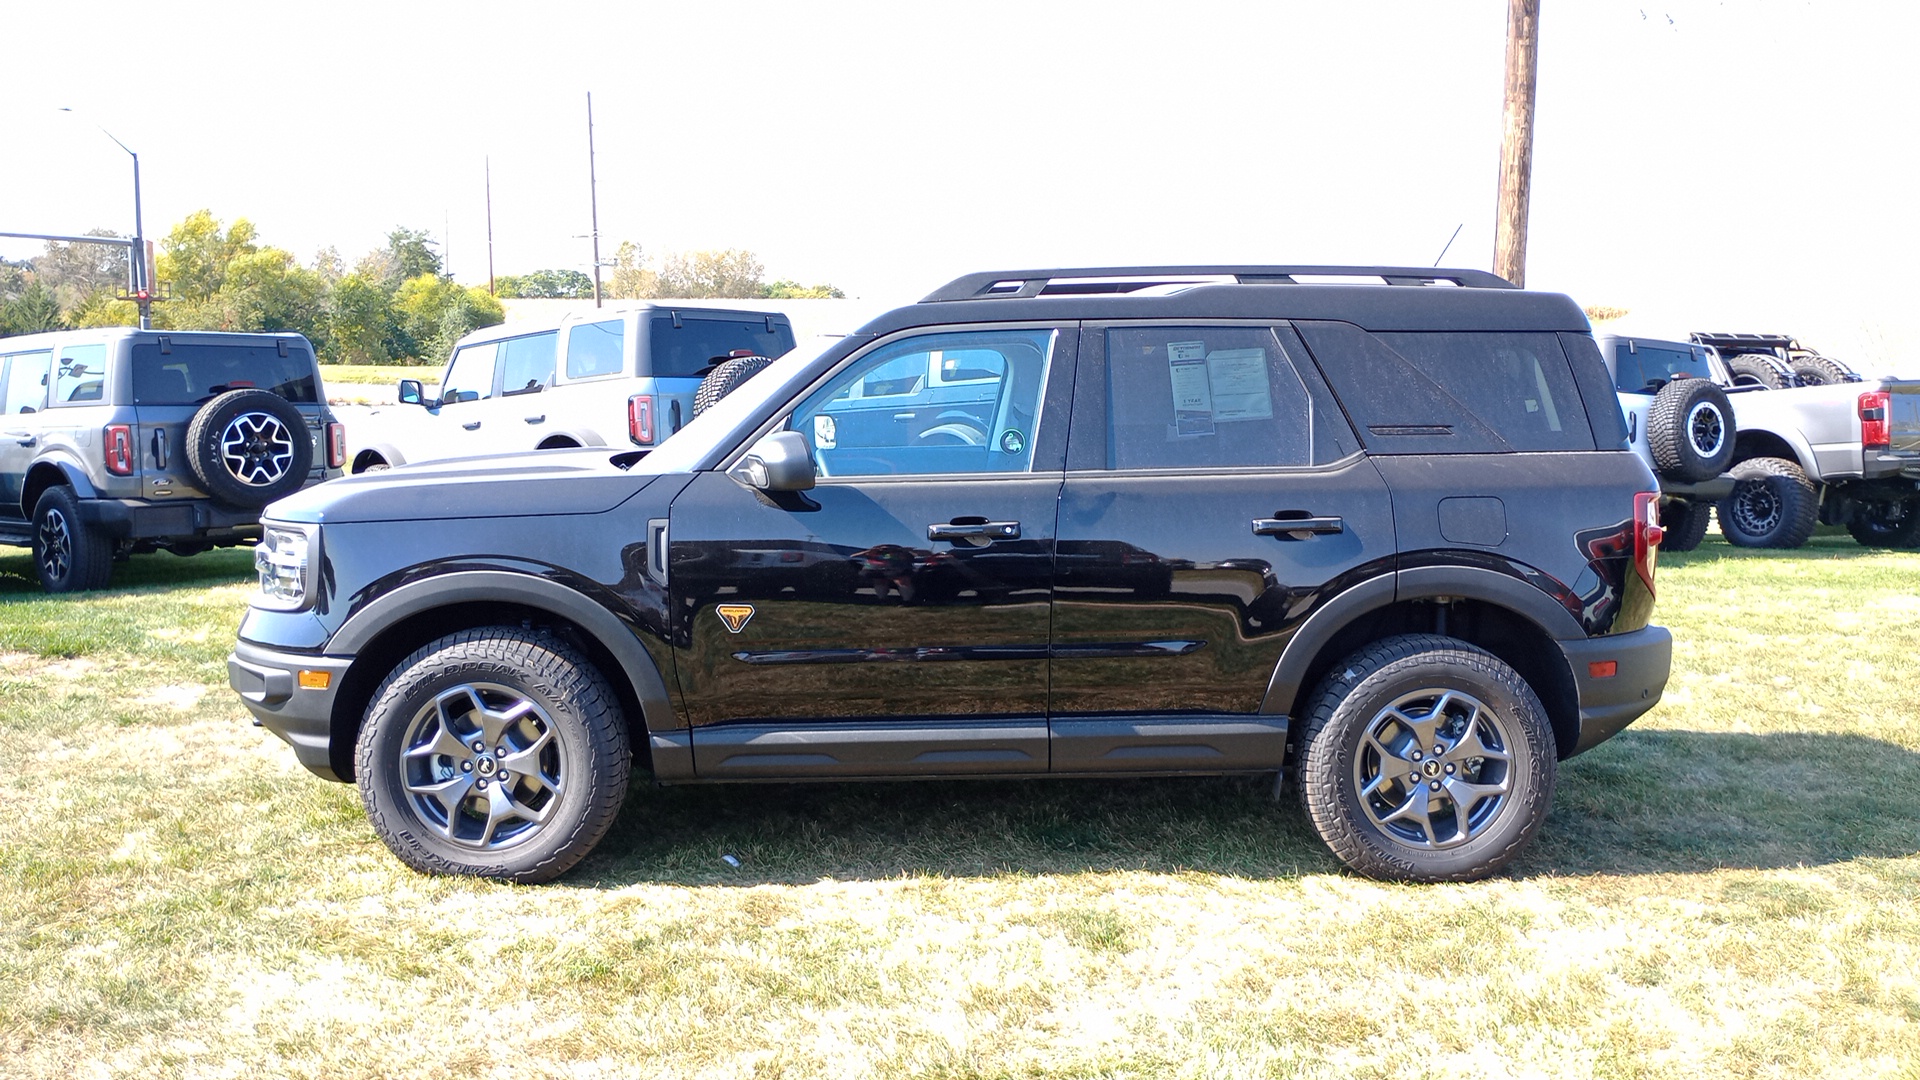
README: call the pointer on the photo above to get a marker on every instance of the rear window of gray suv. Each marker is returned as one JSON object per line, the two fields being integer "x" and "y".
{"x": 181, "y": 374}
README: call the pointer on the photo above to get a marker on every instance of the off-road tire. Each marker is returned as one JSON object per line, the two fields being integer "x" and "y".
{"x": 1887, "y": 524}
{"x": 1358, "y": 700}
{"x": 1773, "y": 505}
{"x": 441, "y": 688}
{"x": 1684, "y": 523}
{"x": 1753, "y": 369}
{"x": 1812, "y": 369}
{"x": 249, "y": 447}
{"x": 70, "y": 555}
{"x": 1690, "y": 430}
{"x": 723, "y": 379}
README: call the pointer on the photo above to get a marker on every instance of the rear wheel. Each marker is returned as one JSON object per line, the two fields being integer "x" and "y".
{"x": 1752, "y": 369}
{"x": 1773, "y": 505}
{"x": 70, "y": 555}
{"x": 1426, "y": 759}
{"x": 1685, "y": 525}
{"x": 1887, "y": 524}
{"x": 497, "y": 752}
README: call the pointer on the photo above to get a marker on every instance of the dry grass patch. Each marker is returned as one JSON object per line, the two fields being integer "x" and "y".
{"x": 1726, "y": 889}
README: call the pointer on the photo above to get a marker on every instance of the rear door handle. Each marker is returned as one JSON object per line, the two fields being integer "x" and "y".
{"x": 541, "y": 419}
{"x": 975, "y": 532}
{"x": 1297, "y": 528}
{"x": 474, "y": 426}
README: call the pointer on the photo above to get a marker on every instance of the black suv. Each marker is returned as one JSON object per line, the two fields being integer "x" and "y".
{"x": 1140, "y": 521}
{"x": 115, "y": 441}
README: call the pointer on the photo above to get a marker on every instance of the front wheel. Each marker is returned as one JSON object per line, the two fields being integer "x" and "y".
{"x": 1773, "y": 505}
{"x": 497, "y": 752}
{"x": 1426, "y": 759}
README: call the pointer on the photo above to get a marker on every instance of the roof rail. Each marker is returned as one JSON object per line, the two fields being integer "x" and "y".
{"x": 1012, "y": 284}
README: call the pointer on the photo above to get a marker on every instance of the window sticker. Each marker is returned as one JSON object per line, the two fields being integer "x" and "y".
{"x": 1237, "y": 380}
{"x": 1192, "y": 392}
{"x": 825, "y": 435}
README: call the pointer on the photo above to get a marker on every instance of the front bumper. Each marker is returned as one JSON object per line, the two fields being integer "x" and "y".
{"x": 1641, "y": 662}
{"x": 268, "y": 682}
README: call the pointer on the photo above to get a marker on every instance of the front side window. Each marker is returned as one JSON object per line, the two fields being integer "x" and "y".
{"x": 82, "y": 375}
{"x": 26, "y": 387}
{"x": 470, "y": 374}
{"x": 595, "y": 349}
{"x": 964, "y": 402}
{"x": 1206, "y": 397}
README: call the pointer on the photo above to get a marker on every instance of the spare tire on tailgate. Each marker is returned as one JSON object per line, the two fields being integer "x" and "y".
{"x": 249, "y": 447}
{"x": 1690, "y": 430}
{"x": 724, "y": 378}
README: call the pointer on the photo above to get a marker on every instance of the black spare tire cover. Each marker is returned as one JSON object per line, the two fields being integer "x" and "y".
{"x": 249, "y": 447}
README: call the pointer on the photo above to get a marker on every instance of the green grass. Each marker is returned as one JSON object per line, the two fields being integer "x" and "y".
{"x": 1725, "y": 889}
{"x": 378, "y": 374}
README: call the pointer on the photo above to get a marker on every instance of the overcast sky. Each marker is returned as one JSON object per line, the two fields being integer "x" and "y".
{"x": 1743, "y": 165}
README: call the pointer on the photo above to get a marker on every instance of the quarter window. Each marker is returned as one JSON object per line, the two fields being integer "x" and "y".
{"x": 942, "y": 403}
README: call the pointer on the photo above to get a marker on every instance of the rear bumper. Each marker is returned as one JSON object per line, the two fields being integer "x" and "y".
{"x": 269, "y": 685}
{"x": 136, "y": 519}
{"x": 1641, "y": 662}
{"x": 1704, "y": 491}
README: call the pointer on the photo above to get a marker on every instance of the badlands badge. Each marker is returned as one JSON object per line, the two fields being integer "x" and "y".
{"x": 735, "y": 615}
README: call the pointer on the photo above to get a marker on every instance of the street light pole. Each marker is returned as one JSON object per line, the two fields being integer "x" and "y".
{"x": 137, "y": 261}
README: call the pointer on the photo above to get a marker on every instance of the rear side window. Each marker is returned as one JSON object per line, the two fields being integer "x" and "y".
{"x": 187, "y": 374}
{"x": 687, "y": 349}
{"x": 1453, "y": 392}
{"x": 595, "y": 349}
{"x": 26, "y": 387}
{"x": 1193, "y": 397}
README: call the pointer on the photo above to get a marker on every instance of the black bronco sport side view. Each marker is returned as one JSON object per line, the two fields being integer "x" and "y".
{"x": 1112, "y": 522}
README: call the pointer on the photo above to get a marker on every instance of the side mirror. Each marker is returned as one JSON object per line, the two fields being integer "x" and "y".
{"x": 778, "y": 462}
{"x": 410, "y": 392}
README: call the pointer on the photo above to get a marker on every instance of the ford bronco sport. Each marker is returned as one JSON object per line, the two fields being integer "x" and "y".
{"x": 1387, "y": 537}
{"x": 118, "y": 441}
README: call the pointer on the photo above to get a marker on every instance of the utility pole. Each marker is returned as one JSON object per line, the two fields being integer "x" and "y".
{"x": 593, "y": 200}
{"x": 488, "y": 164}
{"x": 1516, "y": 141}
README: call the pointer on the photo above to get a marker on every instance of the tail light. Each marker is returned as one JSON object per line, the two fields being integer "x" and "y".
{"x": 336, "y": 445}
{"x": 640, "y": 419}
{"x": 1874, "y": 434}
{"x": 118, "y": 441}
{"x": 1647, "y": 535}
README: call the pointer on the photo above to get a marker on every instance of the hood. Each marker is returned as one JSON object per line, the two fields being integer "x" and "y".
{"x": 541, "y": 483}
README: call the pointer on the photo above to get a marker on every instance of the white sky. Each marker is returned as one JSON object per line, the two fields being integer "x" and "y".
{"x": 1742, "y": 165}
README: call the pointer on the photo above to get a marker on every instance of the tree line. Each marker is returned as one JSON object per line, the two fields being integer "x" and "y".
{"x": 396, "y": 304}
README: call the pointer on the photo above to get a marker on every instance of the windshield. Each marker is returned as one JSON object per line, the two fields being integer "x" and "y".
{"x": 686, "y": 448}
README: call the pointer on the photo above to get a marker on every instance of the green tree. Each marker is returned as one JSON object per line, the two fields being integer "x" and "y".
{"x": 31, "y": 311}
{"x": 75, "y": 272}
{"x": 700, "y": 275}
{"x": 793, "y": 290}
{"x": 195, "y": 255}
{"x": 361, "y": 326}
{"x": 545, "y": 284}
{"x": 632, "y": 280}
{"x": 434, "y": 312}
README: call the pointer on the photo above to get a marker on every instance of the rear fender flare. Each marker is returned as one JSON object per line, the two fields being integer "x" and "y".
{"x": 52, "y": 472}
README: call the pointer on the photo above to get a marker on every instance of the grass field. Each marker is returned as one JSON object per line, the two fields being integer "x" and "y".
{"x": 1728, "y": 889}
{"x": 373, "y": 384}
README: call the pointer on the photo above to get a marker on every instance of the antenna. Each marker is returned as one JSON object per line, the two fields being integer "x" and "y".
{"x": 1450, "y": 240}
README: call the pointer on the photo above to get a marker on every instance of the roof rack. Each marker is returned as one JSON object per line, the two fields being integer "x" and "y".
{"x": 1014, "y": 284}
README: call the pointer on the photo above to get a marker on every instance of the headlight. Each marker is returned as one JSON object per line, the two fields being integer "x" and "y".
{"x": 286, "y": 557}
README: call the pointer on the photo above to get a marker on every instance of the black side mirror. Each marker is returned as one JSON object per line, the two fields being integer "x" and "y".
{"x": 410, "y": 392}
{"x": 778, "y": 462}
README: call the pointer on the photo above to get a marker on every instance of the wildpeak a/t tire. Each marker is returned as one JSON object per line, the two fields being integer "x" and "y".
{"x": 498, "y": 752}
{"x": 1426, "y": 759}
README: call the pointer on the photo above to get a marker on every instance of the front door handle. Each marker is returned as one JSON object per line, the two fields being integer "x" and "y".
{"x": 474, "y": 426}
{"x": 1297, "y": 528}
{"x": 27, "y": 438}
{"x": 979, "y": 533}
{"x": 541, "y": 419}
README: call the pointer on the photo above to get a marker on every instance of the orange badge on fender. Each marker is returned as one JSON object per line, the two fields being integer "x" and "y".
{"x": 735, "y": 615}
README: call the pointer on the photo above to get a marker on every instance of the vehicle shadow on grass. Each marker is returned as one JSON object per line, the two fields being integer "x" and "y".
{"x": 161, "y": 569}
{"x": 1646, "y": 802}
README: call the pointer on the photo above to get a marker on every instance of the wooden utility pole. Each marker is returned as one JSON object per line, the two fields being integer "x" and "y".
{"x": 1516, "y": 141}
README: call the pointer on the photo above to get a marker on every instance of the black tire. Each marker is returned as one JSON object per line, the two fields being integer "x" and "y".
{"x": 1887, "y": 524}
{"x": 1755, "y": 369}
{"x": 70, "y": 555}
{"x": 1685, "y": 524}
{"x": 1773, "y": 505}
{"x": 249, "y": 447}
{"x": 1690, "y": 430}
{"x": 722, "y": 380}
{"x": 417, "y": 748}
{"x": 1359, "y": 757}
{"x": 1812, "y": 369}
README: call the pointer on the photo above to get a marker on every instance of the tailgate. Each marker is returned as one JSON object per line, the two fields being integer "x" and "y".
{"x": 1903, "y": 418}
